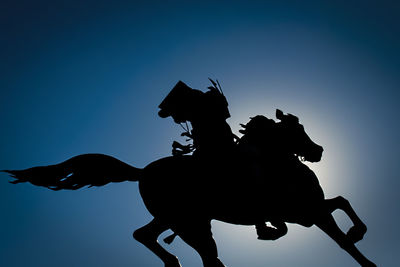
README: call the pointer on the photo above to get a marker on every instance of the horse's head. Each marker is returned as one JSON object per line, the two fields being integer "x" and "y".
{"x": 296, "y": 139}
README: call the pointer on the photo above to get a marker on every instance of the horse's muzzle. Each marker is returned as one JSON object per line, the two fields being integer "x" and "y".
{"x": 315, "y": 155}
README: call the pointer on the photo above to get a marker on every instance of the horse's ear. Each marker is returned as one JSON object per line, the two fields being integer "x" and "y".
{"x": 279, "y": 114}
{"x": 294, "y": 118}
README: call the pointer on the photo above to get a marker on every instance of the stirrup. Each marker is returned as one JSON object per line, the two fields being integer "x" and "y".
{"x": 269, "y": 233}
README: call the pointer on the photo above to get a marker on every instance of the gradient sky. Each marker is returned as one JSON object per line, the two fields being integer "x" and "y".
{"x": 87, "y": 76}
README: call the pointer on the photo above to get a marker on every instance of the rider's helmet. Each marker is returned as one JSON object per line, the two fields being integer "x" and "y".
{"x": 179, "y": 103}
{"x": 215, "y": 105}
{"x": 186, "y": 104}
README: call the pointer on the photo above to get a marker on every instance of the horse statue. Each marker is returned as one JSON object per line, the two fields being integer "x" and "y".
{"x": 184, "y": 194}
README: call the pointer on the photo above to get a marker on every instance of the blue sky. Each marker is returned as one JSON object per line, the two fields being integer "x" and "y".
{"x": 87, "y": 76}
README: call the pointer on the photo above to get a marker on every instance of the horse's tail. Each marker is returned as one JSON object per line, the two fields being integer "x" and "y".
{"x": 79, "y": 171}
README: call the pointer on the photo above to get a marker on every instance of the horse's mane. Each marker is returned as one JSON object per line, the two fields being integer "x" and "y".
{"x": 258, "y": 124}
{"x": 264, "y": 135}
{"x": 258, "y": 129}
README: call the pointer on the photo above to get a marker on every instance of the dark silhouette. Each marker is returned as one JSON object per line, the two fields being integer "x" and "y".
{"x": 259, "y": 178}
{"x": 212, "y": 136}
{"x": 207, "y": 112}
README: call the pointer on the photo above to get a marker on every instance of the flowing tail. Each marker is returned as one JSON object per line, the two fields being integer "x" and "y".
{"x": 79, "y": 171}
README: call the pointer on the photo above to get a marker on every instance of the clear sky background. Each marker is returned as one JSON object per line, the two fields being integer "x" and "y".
{"x": 87, "y": 76}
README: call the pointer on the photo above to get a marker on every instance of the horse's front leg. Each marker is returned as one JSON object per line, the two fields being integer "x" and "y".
{"x": 358, "y": 230}
{"x": 327, "y": 224}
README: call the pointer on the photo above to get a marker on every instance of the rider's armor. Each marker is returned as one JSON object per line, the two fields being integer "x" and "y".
{"x": 207, "y": 112}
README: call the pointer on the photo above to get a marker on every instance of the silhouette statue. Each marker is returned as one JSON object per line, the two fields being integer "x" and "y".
{"x": 256, "y": 179}
{"x": 212, "y": 136}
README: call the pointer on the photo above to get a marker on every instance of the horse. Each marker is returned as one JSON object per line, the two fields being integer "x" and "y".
{"x": 184, "y": 194}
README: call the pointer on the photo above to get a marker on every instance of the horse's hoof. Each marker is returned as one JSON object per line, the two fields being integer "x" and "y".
{"x": 369, "y": 264}
{"x": 169, "y": 239}
{"x": 356, "y": 233}
{"x": 173, "y": 263}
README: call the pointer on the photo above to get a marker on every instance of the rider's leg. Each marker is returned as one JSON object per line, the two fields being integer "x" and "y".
{"x": 356, "y": 233}
{"x": 329, "y": 226}
{"x": 265, "y": 232}
{"x": 147, "y": 235}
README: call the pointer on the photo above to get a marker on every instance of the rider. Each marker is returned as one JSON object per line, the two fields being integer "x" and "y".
{"x": 207, "y": 112}
{"x": 211, "y": 134}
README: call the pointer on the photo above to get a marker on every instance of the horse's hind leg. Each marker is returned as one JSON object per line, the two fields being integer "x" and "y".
{"x": 198, "y": 236}
{"x": 148, "y": 234}
{"x": 356, "y": 232}
{"x": 329, "y": 226}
